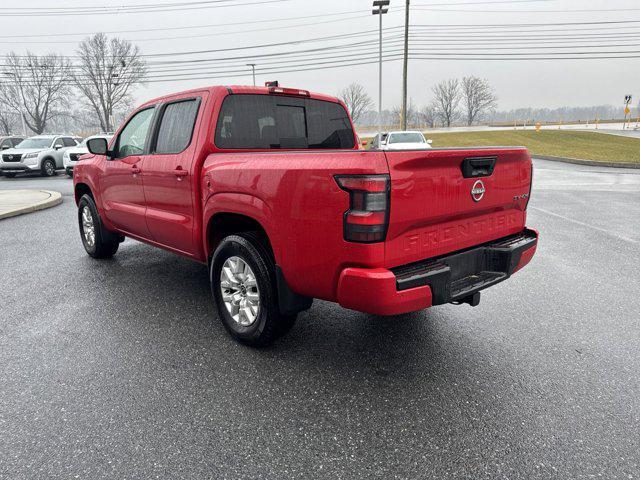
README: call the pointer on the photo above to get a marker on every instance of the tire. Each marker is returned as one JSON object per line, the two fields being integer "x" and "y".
{"x": 96, "y": 239}
{"x": 69, "y": 172}
{"x": 250, "y": 324}
{"x": 48, "y": 168}
{"x": 10, "y": 175}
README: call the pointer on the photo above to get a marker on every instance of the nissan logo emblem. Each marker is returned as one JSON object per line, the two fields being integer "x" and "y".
{"x": 477, "y": 192}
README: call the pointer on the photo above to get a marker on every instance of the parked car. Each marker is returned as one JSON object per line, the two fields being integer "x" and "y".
{"x": 42, "y": 153}
{"x": 9, "y": 141}
{"x": 269, "y": 188}
{"x": 400, "y": 141}
{"x": 71, "y": 156}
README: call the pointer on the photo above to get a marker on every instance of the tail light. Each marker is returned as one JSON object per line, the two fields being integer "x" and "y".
{"x": 367, "y": 219}
{"x": 530, "y": 188}
{"x": 289, "y": 91}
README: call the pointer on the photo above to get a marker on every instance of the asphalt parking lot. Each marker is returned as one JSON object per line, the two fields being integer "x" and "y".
{"x": 113, "y": 369}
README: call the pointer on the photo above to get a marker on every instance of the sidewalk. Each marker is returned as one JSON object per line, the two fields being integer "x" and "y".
{"x": 17, "y": 202}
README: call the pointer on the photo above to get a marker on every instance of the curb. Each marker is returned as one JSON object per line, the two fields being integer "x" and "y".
{"x": 55, "y": 198}
{"x": 591, "y": 163}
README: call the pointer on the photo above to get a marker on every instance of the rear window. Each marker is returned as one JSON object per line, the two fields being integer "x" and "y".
{"x": 272, "y": 122}
{"x": 407, "y": 137}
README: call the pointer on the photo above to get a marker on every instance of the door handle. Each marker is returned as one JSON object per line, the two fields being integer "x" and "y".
{"x": 474, "y": 167}
{"x": 180, "y": 172}
{"x": 135, "y": 170}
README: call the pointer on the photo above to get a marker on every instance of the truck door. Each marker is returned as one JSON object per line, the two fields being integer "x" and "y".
{"x": 169, "y": 175}
{"x": 121, "y": 185}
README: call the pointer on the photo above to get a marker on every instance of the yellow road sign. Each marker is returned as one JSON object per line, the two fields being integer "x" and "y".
{"x": 627, "y": 111}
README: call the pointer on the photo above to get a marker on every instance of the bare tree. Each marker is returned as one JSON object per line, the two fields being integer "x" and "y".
{"x": 478, "y": 98}
{"x": 37, "y": 87}
{"x": 427, "y": 115}
{"x": 356, "y": 99}
{"x": 7, "y": 120}
{"x": 412, "y": 114}
{"x": 106, "y": 74}
{"x": 446, "y": 100}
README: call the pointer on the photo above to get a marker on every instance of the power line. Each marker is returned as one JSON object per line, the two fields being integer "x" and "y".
{"x": 314, "y": 64}
{"x": 192, "y": 36}
{"x": 114, "y": 10}
{"x": 465, "y": 10}
{"x": 484, "y": 2}
{"x": 189, "y": 27}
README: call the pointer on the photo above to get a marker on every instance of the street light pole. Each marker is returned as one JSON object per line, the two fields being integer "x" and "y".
{"x": 379, "y": 9}
{"x": 253, "y": 70}
{"x": 405, "y": 67}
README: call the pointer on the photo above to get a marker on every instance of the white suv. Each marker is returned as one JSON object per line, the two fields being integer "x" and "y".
{"x": 42, "y": 153}
{"x": 71, "y": 156}
{"x": 400, "y": 141}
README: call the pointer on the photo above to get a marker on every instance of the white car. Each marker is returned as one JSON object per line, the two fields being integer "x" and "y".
{"x": 401, "y": 141}
{"x": 42, "y": 154}
{"x": 71, "y": 156}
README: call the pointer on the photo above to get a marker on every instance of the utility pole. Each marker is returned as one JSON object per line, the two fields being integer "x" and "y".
{"x": 405, "y": 67}
{"x": 379, "y": 5}
{"x": 253, "y": 70}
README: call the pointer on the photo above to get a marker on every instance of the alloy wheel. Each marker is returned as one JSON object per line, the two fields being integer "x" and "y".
{"x": 240, "y": 292}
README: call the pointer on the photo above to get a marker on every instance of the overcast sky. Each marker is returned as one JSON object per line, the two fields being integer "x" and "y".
{"x": 518, "y": 83}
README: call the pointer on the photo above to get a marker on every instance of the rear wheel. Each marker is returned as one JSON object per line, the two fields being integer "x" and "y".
{"x": 48, "y": 168}
{"x": 97, "y": 240}
{"x": 244, "y": 287}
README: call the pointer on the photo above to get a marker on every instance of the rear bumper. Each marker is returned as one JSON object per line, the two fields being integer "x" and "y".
{"x": 456, "y": 277}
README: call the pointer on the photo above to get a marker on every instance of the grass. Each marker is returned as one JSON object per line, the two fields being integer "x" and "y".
{"x": 558, "y": 143}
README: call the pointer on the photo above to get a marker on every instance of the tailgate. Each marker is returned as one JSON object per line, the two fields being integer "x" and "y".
{"x": 447, "y": 200}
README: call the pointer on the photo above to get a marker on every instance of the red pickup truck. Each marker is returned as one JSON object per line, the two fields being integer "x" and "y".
{"x": 269, "y": 187}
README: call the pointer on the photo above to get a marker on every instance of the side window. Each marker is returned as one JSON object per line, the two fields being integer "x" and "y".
{"x": 16, "y": 141}
{"x": 176, "y": 127}
{"x": 133, "y": 137}
{"x": 58, "y": 143}
{"x": 69, "y": 142}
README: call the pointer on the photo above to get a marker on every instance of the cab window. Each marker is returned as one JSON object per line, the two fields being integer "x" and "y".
{"x": 133, "y": 138}
{"x": 69, "y": 142}
{"x": 176, "y": 126}
{"x": 250, "y": 121}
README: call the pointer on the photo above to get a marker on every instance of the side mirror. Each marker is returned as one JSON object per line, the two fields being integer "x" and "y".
{"x": 429, "y": 141}
{"x": 57, "y": 146}
{"x": 365, "y": 143}
{"x": 5, "y": 147}
{"x": 98, "y": 146}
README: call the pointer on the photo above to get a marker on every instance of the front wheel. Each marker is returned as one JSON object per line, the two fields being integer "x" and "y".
{"x": 243, "y": 284}
{"x": 97, "y": 240}
{"x": 48, "y": 168}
